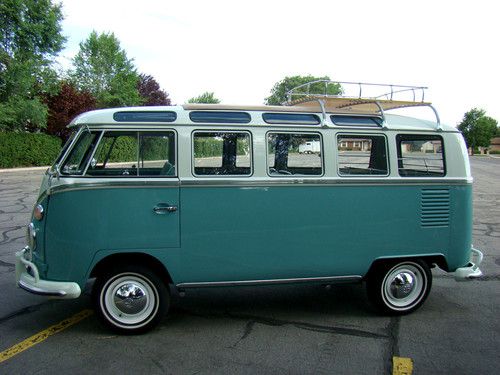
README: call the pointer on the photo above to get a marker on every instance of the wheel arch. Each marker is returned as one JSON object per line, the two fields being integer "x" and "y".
{"x": 132, "y": 258}
{"x": 431, "y": 260}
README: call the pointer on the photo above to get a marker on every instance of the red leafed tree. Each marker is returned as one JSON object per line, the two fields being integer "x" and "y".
{"x": 151, "y": 92}
{"x": 65, "y": 106}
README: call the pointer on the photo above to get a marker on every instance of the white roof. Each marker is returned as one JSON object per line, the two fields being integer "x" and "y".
{"x": 105, "y": 116}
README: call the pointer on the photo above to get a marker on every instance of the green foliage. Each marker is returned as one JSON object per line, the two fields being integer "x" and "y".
{"x": 21, "y": 114}
{"x": 205, "y": 98}
{"x": 124, "y": 149}
{"x": 154, "y": 148}
{"x": 205, "y": 147}
{"x": 102, "y": 68}
{"x": 30, "y": 28}
{"x": 281, "y": 88}
{"x": 477, "y": 128}
{"x": 29, "y": 40}
{"x": 27, "y": 149}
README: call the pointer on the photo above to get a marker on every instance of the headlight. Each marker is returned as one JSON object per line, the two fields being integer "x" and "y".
{"x": 31, "y": 236}
{"x": 38, "y": 212}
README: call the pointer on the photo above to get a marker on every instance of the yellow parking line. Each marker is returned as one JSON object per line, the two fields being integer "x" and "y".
{"x": 402, "y": 366}
{"x": 43, "y": 335}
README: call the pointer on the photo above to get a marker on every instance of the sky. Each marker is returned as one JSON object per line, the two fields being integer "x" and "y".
{"x": 240, "y": 49}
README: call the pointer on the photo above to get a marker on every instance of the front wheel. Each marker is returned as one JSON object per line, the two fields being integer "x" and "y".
{"x": 399, "y": 287}
{"x": 130, "y": 299}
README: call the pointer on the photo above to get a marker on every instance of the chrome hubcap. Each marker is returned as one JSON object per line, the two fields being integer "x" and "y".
{"x": 402, "y": 285}
{"x": 129, "y": 300}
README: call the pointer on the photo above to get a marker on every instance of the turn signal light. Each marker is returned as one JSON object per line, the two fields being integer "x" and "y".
{"x": 38, "y": 212}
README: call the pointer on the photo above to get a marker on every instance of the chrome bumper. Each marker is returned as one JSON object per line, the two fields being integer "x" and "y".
{"x": 31, "y": 282}
{"x": 471, "y": 271}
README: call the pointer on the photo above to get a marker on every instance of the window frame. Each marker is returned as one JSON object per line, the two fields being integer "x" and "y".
{"x": 422, "y": 137}
{"x": 322, "y": 153}
{"x": 138, "y": 132}
{"x": 211, "y": 130}
{"x": 361, "y": 135}
{"x": 74, "y": 143}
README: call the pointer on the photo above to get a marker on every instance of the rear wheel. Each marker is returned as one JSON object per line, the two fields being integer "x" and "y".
{"x": 131, "y": 299}
{"x": 399, "y": 287}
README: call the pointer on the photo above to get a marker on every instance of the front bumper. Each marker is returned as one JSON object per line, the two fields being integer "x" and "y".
{"x": 471, "y": 271}
{"x": 28, "y": 278}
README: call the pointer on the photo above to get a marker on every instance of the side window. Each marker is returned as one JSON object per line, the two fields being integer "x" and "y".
{"x": 157, "y": 154}
{"x": 78, "y": 157}
{"x": 294, "y": 154}
{"x": 360, "y": 155}
{"x": 129, "y": 154}
{"x": 116, "y": 155}
{"x": 222, "y": 153}
{"x": 420, "y": 155}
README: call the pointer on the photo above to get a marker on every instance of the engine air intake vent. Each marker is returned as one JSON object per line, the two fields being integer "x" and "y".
{"x": 435, "y": 208}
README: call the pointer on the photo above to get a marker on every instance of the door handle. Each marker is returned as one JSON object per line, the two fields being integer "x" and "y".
{"x": 163, "y": 208}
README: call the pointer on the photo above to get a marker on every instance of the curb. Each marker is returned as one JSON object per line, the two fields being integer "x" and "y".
{"x": 27, "y": 169}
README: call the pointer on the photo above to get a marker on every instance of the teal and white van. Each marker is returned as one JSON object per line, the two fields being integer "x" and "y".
{"x": 144, "y": 200}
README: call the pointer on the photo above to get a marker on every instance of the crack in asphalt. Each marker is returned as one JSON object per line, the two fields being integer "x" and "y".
{"x": 393, "y": 349}
{"x": 7, "y": 264}
{"x": 252, "y": 320}
{"x": 6, "y": 239}
{"x": 23, "y": 311}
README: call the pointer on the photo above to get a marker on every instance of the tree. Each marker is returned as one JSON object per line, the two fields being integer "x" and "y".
{"x": 30, "y": 39}
{"x": 477, "y": 128}
{"x": 206, "y": 98}
{"x": 150, "y": 91}
{"x": 281, "y": 88}
{"x": 102, "y": 68}
{"x": 66, "y": 105}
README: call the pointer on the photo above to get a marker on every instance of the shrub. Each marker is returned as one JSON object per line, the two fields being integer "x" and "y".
{"x": 495, "y": 152}
{"x": 27, "y": 149}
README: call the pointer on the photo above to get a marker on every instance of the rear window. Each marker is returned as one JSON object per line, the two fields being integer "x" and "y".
{"x": 420, "y": 155}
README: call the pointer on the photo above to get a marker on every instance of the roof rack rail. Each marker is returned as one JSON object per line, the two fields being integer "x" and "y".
{"x": 381, "y": 97}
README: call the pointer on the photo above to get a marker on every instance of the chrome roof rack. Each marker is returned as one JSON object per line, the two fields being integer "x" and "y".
{"x": 358, "y": 97}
